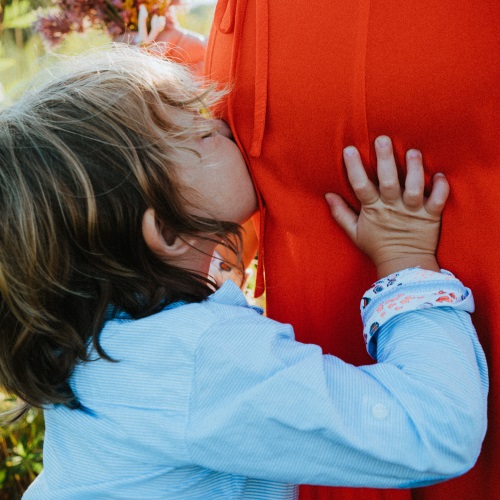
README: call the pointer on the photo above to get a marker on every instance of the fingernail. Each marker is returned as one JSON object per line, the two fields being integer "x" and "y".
{"x": 414, "y": 153}
{"x": 349, "y": 151}
{"x": 383, "y": 141}
{"x": 328, "y": 198}
{"x": 439, "y": 174}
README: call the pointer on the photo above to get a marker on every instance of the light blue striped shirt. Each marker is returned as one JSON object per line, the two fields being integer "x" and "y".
{"x": 214, "y": 401}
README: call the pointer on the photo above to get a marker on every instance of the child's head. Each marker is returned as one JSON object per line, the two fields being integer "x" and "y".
{"x": 108, "y": 178}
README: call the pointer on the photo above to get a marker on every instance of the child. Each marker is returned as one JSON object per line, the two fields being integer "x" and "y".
{"x": 115, "y": 189}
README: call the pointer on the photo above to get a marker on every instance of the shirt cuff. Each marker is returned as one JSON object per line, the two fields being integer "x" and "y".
{"x": 409, "y": 290}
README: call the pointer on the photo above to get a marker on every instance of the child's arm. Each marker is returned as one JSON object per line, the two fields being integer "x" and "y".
{"x": 265, "y": 406}
{"x": 396, "y": 229}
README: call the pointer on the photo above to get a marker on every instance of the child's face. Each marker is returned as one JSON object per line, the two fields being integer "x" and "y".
{"x": 220, "y": 177}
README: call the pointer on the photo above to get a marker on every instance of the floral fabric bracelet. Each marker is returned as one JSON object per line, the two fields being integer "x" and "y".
{"x": 408, "y": 290}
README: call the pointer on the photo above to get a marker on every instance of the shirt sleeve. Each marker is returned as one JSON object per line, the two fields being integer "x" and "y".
{"x": 268, "y": 407}
{"x": 422, "y": 289}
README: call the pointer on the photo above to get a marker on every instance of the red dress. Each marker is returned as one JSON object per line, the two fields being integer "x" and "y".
{"x": 311, "y": 77}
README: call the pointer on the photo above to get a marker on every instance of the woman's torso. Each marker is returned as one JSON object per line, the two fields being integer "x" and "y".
{"x": 312, "y": 78}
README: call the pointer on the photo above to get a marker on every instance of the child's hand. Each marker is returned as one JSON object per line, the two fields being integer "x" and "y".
{"x": 395, "y": 228}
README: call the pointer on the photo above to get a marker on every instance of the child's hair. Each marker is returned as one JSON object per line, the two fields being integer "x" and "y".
{"x": 81, "y": 159}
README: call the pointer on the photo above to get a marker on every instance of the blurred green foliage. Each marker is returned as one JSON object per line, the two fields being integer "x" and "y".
{"x": 20, "y": 451}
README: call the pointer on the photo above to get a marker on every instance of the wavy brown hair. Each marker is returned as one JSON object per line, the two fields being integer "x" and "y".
{"x": 81, "y": 159}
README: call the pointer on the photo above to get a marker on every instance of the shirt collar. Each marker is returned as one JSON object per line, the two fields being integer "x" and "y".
{"x": 229, "y": 293}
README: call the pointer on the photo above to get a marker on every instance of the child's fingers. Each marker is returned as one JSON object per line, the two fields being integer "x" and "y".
{"x": 437, "y": 199}
{"x": 346, "y": 218}
{"x": 364, "y": 189}
{"x": 390, "y": 190}
{"x": 414, "y": 185}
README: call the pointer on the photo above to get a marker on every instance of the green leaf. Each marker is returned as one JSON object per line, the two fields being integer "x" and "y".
{"x": 24, "y": 21}
{"x": 37, "y": 467}
{"x": 19, "y": 14}
{"x": 3, "y": 476}
{"x": 19, "y": 450}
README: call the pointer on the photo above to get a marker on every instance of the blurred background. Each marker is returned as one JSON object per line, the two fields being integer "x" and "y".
{"x": 21, "y": 46}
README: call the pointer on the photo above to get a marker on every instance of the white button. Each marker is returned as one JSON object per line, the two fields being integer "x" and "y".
{"x": 380, "y": 411}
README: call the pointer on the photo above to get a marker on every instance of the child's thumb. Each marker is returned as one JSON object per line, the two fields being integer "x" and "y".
{"x": 346, "y": 218}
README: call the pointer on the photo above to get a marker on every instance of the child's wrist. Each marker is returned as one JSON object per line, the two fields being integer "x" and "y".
{"x": 424, "y": 261}
{"x": 409, "y": 290}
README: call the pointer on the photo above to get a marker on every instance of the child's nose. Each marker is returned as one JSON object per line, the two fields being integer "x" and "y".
{"x": 223, "y": 129}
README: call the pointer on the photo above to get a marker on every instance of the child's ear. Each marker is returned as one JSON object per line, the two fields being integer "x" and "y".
{"x": 161, "y": 240}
